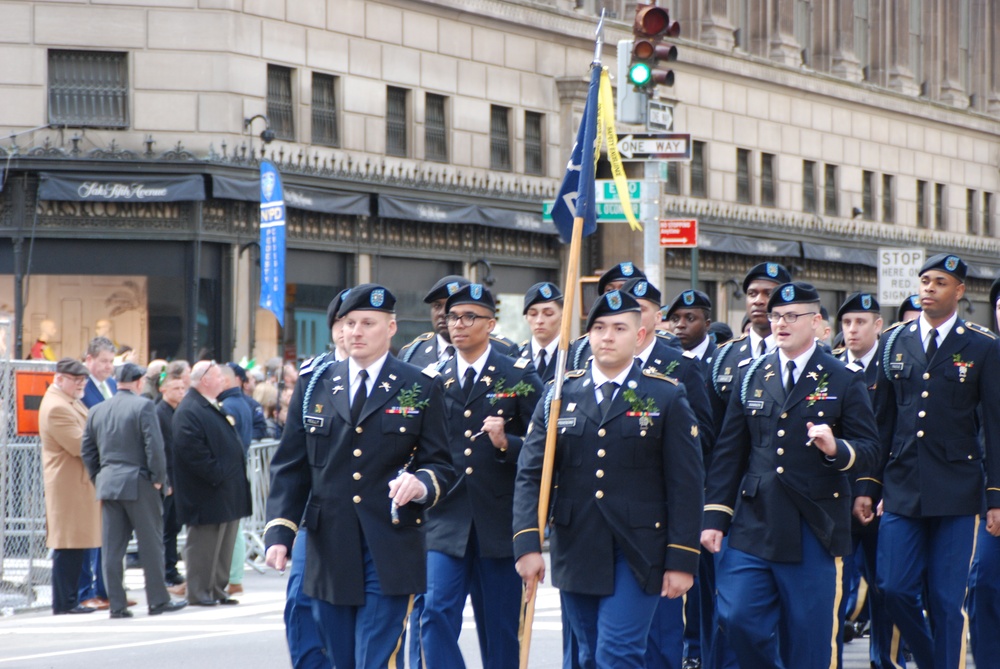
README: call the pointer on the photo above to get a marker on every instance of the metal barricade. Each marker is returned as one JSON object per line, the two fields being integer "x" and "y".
{"x": 259, "y": 473}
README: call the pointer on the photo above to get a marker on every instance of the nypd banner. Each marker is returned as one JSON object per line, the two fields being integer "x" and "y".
{"x": 272, "y": 242}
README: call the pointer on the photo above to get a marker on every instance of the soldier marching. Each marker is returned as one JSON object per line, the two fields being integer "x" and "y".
{"x": 870, "y": 466}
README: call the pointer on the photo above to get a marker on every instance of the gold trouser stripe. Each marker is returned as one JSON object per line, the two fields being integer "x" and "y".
{"x": 860, "y": 604}
{"x": 402, "y": 635}
{"x": 838, "y": 593}
{"x": 894, "y": 648}
{"x": 965, "y": 614}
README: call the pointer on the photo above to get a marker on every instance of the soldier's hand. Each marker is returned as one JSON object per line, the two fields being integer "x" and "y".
{"x": 531, "y": 568}
{"x": 277, "y": 557}
{"x": 158, "y": 486}
{"x": 711, "y": 540}
{"x": 405, "y": 488}
{"x": 879, "y": 510}
{"x": 993, "y": 522}
{"x": 676, "y": 583}
{"x": 863, "y": 509}
{"x": 493, "y": 426}
{"x": 821, "y": 437}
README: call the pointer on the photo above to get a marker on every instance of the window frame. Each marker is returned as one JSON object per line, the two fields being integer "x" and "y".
{"x": 280, "y": 111}
{"x": 500, "y": 139}
{"x": 105, "y": 67}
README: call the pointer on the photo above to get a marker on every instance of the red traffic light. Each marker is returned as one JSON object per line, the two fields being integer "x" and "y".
{"x": 650, "y": 20}
{"x": 652, "y": 24}
{"x": 645, "y": 49}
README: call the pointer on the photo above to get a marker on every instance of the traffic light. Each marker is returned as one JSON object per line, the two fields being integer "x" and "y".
{"x": 633, "y": 102}
{"x": 652, "y": 25}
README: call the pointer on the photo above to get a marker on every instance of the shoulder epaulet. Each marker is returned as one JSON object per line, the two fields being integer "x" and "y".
{"x": 421, "y": 338}
{"x": 580, "y": 338}
{"x": 524, "y": 343}
{"x": 895, "y": 325}
{"x": 975, "y": 327}
{"x": 838, "y": 351}
{"x": 853, "y": 366}
{"x": 521, "y": 363}
{"x": 663, "y": 334}
{"x": 309, "y": 365}
{"x": 430, "y": 371}
{"x": 576, "y": 373}
{"x": 745, "y": 362}
{"x": 502, "y": 340}
{"x": 732, "y": 341}
{"x": 690, "y": 354}
{"x": 656, "y": 375}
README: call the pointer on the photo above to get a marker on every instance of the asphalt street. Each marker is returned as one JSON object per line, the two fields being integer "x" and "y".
{"x": 247, "y": 636}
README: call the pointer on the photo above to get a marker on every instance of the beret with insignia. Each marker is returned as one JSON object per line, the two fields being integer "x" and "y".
{"x": 540, "y": 293}
{"x": 367, "y": 297}
{"x": 690, "y": 299}
{"x": 859, "y": 302}
{"x": 642, "y": 289}
{"x": 615, "y": 302}
{"x": 445, "y": 287}
{"x": 331, "y": 311}
{"x": 473, "y": 293}
{"x": 767, "y": 271}
{"x": 793, "y": 293}
{"x": 912, "y": 303}
{"x": 623, "y": 271}
{"x": 946, "y": 262}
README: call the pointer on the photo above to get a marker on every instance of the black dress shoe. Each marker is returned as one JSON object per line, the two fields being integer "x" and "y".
{"x": 121, "y": 613}
{"x": 168, "y": 606}
{"x": 75, "y": 609}
{"x": 228, "y": 601}
{"x": 174, "y": 579}
{"x": 199, "y": 602}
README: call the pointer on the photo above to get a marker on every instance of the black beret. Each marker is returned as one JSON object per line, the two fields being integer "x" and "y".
{"x": 722, "y": 332}
{"x": 238, "y": 371}
{"x": 641, "y": 289}
{"x": 768, "y": 271}
{"x": 865, "y": 302}
{"x": 614, "y": 302}
{"x": 473, "y": 293}
{"x": 129, "y": 372}
{"x": 994, "y": 293}
{"x": 912, "y": 303}
{"x": 947, "y": 262}
{"x": 792, "y": 293}
{"x": 367, "y": 297}
{"x": 445, "y": 287}
{"x": 331, "y": 311}
{"x": 72, "y": 367}
{"x": 823, "y": 313}
{"x": 541, "y": 292}
{"x": 623, "y": 271}
{"x": 691, "y": 299}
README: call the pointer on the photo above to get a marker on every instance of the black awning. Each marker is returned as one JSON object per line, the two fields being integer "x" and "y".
{"x": 748, "y": 246}
{"x": 121, "y": 187}
{"x": 843, "y": 254}
{"x": 436, "y": 211}
{"x": 296, "y": 197}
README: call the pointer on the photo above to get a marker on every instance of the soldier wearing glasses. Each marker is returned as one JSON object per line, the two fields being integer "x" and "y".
{"x": 938, "y": 404}
{"x": 489, "y": 398}
{"x": 798, "y": 424}
{"x": 363, "y": 454}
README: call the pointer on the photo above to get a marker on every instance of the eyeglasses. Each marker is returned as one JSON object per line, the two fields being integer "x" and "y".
{"x": 468, "y": 319}
{"x": 789, "y": 317}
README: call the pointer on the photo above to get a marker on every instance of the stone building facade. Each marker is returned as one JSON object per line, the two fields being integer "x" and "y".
{"x": 420, "y": 137}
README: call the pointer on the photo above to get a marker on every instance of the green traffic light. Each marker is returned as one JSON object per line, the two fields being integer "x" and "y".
{"x": 640, "y": 74}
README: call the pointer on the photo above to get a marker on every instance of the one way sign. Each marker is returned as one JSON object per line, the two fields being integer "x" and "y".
{"x": 671, "y": 146}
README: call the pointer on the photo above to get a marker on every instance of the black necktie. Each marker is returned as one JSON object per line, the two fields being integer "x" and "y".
{"x": 359, "y": 397}
{"x": 542, "y": 365}
{"x": 790, "y": 379}
{"x": 470, "y": 380}
{"x": 608, "y": 392}
{"x": 932, "y": 344}
{"x": 860, "y": 363}
{"x": 761, "y": 348}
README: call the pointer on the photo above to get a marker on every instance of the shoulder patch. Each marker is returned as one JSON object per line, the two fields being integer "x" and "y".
{"x": 576, "y": 373}
{"x": 656, "y": 375}
{"x": 853, "y": 366}
{"x": 430, "y": 371}
{"x": 975, "y": 327}
{"x": 744, "y": 362}
{"x": 521, "y": 363}
{"x": 690, "y": 354}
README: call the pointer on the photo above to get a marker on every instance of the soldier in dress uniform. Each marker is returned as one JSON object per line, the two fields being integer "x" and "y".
{"x": 627, "y": 451}
{"x": 543, "y": 308}
{"x": 364, "y": 452}
{"x": 434, "y": 348}
{"x": 984, "y": 580}
{"x": 691, "y": 316}
{"x": 489, "y": 399}
{"x": 797, "y": 425}
{"x": 758, "y": 285}
{"x": 861, "y": 322}
{"x": 939, "y": 389}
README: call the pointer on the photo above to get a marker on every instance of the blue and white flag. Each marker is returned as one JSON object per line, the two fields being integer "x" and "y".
{"x": 576, "y": 194}
{"x": 272, "y": 242}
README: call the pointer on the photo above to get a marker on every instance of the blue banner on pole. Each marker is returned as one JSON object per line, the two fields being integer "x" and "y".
{"x": 576, "y": 194}
{"x": 272, "y": 242}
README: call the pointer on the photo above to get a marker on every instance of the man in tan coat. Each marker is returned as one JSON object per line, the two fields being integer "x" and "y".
{"x": 72, "y": 511}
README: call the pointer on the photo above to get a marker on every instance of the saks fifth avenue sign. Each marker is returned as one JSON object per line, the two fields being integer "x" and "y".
{"x": 119, "y": 191}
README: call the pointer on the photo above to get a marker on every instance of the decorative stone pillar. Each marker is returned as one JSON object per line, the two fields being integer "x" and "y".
{"x": 900, "y": 75}
{"x": 844, "y": 63}
{"x": 783, "y": 47}
{"x": 716, "y": 30}
{"x": 951, "y": 90}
